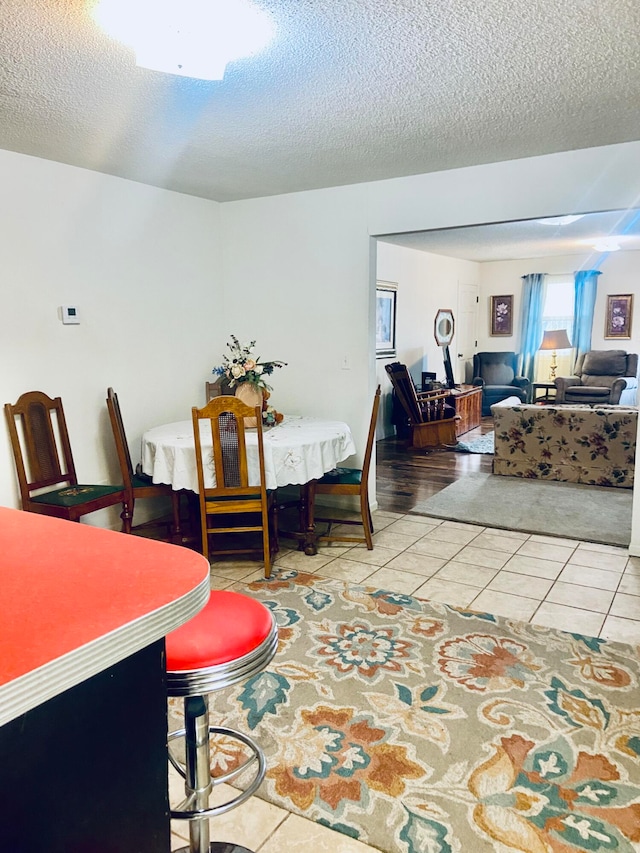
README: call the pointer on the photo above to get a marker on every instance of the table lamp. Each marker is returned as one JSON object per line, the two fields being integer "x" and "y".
{"x": 553, "y": 340}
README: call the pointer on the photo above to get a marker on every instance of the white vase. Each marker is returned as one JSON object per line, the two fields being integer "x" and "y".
{"x": 250, "y": 395}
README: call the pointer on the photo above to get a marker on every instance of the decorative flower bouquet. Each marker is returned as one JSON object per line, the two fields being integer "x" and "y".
{"x": 242, "y": 366}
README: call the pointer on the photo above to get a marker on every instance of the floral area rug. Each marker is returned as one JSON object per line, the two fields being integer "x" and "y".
{"x": 415, "y": 726}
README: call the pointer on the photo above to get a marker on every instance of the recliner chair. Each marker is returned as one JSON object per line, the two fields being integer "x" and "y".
{"x": 608, "y": 377}
{"x": 495, "y": 372}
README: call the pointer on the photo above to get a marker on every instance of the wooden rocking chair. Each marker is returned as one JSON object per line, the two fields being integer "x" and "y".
{"x": 431, "y": 419}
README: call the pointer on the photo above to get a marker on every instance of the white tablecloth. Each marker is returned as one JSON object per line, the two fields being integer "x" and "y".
{"x": 296, "y": 451}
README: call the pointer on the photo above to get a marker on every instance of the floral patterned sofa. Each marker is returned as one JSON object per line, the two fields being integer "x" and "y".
{"x": 577, "y": 444}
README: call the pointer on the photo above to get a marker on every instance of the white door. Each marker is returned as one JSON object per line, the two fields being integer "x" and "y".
{"x": 465, "y": 341}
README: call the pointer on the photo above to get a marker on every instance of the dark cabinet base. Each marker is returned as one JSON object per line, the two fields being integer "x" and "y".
{"x": 86, "y": 772}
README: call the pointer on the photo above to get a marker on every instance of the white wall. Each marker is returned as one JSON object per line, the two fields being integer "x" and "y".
{"x": 426, "y": 282}
{"x": 142, "y": 265}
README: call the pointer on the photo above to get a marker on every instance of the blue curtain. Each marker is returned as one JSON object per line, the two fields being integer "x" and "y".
{"x": 531, "y": 324}
{"x": 586, "y": 285}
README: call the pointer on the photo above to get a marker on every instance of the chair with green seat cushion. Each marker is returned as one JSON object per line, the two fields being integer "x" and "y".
{"x": 138, "y": 485}
{"x": 44, "y": 462}
{"x": 348, "y": 481}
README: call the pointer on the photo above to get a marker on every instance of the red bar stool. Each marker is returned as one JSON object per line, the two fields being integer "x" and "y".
{"x": 231, "y": 639}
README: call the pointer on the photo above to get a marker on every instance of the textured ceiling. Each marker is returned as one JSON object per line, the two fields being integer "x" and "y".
{"x": 507, "y": 241}
{"x": 348, "y": 91}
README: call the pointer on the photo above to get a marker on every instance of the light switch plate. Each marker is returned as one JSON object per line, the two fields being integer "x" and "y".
{"x": 70, "y": 315}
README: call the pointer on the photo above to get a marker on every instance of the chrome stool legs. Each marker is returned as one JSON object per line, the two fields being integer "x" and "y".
{"x": 230, "y": 640}
{"x": 198, "y": 781}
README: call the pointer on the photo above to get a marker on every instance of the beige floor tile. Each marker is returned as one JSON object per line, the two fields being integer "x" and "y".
{"x": 482, "y": 557}
{"x": 545, "y": 551}
{"x": 496, "y": 542}
{"x": 297, "y": 835}
{"x": 516, "y": 584}
{"x": 505, "y": 604}
{"x": 603, "y": 549}
{"x": 621, "y": 630}
{"x": 299, "y": 561}
{"x": 585, "y": 576}
{"x": 395, "y": 580}
{"x": 219, "y": 583}
{"x": 436, "y": 548}
{"x": 597, "y": 560}
{"x": 337, "y": 549}
{"x": 456, "y": 594}
{"x": 346, "y": 570}
{"x": 461, "y": 525}
{"x": 627, "y": 606}
{"x": 235, "y": 571}
{"x": 630, "y": 584}
{"x": 399, "y": 541}
{"x": 418, "y": 564}
{"x": 386, "y": 514}
{"x": 570, "y": 619}
{"x": 633, "y": 565}
{"x": 583, "y": 597}
{"x": 512, "y": 534}
{"x": 419, "y": 527}
{"x": 554, "y": 540}
{"x": 466, "y": 573}
{"x": 548, "y": 569}
{"x": 452, "y": 534}
{"x": 378, "y": 557}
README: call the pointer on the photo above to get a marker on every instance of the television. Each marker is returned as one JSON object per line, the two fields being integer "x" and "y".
{"x": 448, "y": 369}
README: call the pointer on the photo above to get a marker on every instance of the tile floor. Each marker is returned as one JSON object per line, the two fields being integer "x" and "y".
{"x": 566, "y": 584}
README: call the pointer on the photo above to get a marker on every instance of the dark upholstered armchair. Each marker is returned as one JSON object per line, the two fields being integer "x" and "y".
{"x": 601, "y": 376}
{"x": 496, "y": 373}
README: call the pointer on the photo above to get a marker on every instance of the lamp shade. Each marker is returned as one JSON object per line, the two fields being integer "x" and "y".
{"x": 555, "y": 339}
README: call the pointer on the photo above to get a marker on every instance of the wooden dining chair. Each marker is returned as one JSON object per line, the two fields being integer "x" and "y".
{"x": 348, "y": 481}
{"x": 233, "y": 505}
{"x": 44, "y": 462}
{"x": 139, "y": 485}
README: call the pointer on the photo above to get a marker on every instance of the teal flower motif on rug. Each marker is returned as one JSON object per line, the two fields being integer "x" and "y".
{"x": 360, "y": 649}
{"x": 262, "y": 695}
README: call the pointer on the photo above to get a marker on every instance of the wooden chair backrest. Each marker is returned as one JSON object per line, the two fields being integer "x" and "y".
{"x": 371, "y": 437}
{"x": 120, "y": 438}
{"x": 40, "y": 443}
{"x": 226, "y": 416}
{"x": 405, "y": 390}
{"x": 219, "y": 388}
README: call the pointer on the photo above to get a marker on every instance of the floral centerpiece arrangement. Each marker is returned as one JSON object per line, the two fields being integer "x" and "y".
{"x": 242, "y": 368}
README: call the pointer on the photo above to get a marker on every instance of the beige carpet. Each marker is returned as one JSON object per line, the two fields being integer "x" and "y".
{"x": 419, "y": 728}
{"x": 571, "y": 510}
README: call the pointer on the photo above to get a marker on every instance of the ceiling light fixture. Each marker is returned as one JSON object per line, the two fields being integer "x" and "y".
{"x": 191, "y": 38}
{"x": 560, "y": 220}
{"x": 607, "y": 244}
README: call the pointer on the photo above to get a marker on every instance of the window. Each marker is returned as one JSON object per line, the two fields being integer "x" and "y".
{"x": 557, "y": 313}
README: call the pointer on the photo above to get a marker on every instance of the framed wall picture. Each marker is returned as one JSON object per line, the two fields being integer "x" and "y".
{"x": 619, "y": 316}
{"x": 502, "y": 315}
{"x": 386, "y": 294}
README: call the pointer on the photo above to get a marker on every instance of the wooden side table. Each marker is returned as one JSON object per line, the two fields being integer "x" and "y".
{"x": 467, "y": 401}
{"x": 545, "y": 398}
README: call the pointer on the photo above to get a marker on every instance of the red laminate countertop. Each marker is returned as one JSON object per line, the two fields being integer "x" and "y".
{"x": 76, "y": 599}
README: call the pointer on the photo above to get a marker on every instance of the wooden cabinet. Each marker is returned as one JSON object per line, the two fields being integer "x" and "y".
{"x": 467, "y": 401}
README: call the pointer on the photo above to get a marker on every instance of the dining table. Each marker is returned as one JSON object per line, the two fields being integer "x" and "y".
{"x": 297, "y": 451}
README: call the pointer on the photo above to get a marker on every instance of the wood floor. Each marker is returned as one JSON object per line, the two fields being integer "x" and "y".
{"x": 404, "y": 477}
